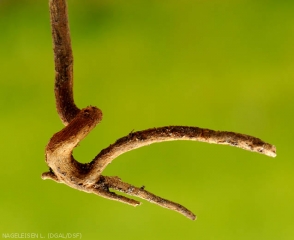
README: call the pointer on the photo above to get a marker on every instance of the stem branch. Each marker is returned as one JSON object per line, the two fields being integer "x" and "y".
{"x": 78, "y": 123}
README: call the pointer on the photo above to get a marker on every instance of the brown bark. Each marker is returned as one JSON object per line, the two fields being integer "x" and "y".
{"x": 63, "y": 58}
{"x": 78, "y": 123}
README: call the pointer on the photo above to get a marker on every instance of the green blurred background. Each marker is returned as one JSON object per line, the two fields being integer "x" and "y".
{"x": 224, "y": 65}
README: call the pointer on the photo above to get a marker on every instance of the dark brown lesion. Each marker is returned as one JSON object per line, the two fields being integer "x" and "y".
{"x": 78, "y": 123}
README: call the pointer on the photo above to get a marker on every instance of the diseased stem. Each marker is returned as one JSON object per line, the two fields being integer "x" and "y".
{"x": 117, "y": 184}
{"x": 63, "y": 58}
{"x": 78, "y": 123}
{"x": 172, "y": 133}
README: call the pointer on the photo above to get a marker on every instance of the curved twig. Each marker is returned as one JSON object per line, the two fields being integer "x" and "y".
{"x": 172, "y": 133}
{"x": 87, "y": 177}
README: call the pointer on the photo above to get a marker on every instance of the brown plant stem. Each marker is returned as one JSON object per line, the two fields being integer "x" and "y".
{"x": 78, "y": 123}
{"x": 117, "y": 184}
{"x": 63, "y": 58}
{"x": 172, "y": 133}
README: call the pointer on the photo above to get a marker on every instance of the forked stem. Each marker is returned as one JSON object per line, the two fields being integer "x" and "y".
{"x": 78, "y": 123}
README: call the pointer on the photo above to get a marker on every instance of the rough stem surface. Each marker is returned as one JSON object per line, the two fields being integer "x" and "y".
{"x": 78, "y": 123}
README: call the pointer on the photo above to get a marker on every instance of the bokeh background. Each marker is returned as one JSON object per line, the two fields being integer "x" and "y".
{"x": 224, "y": 65}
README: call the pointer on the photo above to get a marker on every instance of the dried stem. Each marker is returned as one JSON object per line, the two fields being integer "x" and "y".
{"x": 143, "y": 138}
{"x": 78, "y": 123}
{"x": 63, "y": 58}
{"x": 117, "y": 184}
